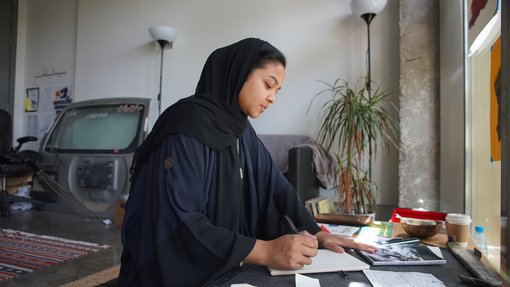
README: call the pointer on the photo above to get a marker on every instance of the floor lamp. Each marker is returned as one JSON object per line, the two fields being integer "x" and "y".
{"x": 165, "y": 36}
{"x": 367, "y": 10}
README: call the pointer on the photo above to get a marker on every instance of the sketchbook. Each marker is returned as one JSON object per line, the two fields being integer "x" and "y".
{"x": 405, "y": 254}
{"x": 326, "y": 261}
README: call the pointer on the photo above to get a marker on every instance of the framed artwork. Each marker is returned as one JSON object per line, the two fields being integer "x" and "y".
{"x": 32, "y": 100}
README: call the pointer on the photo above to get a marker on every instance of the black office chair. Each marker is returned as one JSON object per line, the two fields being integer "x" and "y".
{"x": 15, "y": 163}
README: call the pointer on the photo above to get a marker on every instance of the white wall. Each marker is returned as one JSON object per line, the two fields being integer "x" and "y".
{"x": 46, "y": 45}
{"x": 116, "y": 57}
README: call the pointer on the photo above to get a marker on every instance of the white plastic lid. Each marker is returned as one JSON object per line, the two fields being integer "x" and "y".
{"x": 457, "y": 218}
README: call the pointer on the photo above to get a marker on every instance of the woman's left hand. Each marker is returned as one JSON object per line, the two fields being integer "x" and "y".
{"x": 337, "y": 243}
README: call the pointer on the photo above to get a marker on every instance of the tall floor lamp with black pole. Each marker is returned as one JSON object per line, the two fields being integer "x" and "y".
{"x": 165, "y": 36}
{"x": 367, "y": 10}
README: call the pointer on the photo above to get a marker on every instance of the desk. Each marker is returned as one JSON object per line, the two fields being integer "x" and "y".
{"x": 259, "y": 275}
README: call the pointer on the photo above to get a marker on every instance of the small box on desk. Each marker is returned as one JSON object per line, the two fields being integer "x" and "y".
{"x": 418, "y": 214}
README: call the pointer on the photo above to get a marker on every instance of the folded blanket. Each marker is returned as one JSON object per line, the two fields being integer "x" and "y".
{"x": 323, "y": 164}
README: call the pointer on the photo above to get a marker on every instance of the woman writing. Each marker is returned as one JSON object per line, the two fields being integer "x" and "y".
{"x": 205, "y": 194}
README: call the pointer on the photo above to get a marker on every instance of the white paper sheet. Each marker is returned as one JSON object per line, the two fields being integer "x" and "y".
{"x": 402, "y": 279}
{"x": 305, "y": 281}
{"x": 342, "y": 230}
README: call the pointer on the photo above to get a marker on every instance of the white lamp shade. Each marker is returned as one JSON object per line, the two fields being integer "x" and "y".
{"x": 165, "y": 33}
{"x": 360, "y": 7}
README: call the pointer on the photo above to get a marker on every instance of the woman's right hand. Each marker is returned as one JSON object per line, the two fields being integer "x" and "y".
{"x": 291, "y": 251}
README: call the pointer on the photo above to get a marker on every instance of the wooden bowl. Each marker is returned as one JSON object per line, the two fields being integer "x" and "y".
{"x": 421, "y": 228}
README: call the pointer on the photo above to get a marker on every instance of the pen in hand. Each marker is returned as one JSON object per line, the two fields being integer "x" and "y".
{"x": 291, "y": 224}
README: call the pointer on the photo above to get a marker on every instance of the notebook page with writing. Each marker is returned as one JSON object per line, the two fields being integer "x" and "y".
{"x": 326, "y": 261}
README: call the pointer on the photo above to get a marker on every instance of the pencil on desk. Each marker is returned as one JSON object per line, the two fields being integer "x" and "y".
{"x": 343, "y": 274}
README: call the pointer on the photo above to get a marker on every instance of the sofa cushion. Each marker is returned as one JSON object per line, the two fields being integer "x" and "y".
{"x": 279, "y": 145}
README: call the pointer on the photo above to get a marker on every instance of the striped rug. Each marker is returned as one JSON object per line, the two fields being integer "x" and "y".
{"x": 22, "y": 252}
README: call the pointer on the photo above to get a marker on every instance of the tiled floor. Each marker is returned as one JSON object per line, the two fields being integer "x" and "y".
{"x": 70, "y": 226}
{"x": 76, "y": 227}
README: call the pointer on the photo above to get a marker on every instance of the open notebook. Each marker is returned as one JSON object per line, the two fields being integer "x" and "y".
{"x": 326, "y": 261}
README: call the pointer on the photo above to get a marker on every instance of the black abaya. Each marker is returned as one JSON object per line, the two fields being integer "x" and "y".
{"x": 204, "y": 187}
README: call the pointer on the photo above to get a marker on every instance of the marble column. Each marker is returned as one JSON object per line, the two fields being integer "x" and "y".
{"x": 419, "y": 104}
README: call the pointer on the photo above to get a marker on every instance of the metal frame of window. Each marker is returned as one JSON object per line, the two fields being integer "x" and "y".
{"x": 505, "y": 141}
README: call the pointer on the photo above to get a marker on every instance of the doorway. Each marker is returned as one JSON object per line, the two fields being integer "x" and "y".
{"x": 8, "y": 26}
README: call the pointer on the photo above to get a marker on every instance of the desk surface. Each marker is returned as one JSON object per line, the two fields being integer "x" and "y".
{"x": 259, "y": 276}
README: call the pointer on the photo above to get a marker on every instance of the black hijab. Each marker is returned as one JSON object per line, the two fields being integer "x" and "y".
{"x": 180, "y": 234}
{"x": 212, "y": 115}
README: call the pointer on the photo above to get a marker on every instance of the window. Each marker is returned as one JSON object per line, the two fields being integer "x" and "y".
{"x": 97, "y": 129}
{"x": 483, "y": 162}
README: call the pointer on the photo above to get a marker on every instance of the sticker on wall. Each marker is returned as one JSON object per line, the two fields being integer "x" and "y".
{"x": 32, "y": 100}
{"x": 62, "y": 98}
{"x": 49, "y": 74}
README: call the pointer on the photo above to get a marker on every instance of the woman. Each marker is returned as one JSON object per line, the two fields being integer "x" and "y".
{"x": 205, "y": 193}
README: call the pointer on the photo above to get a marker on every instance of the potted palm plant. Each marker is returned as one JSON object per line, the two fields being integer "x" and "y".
{"x": 353, "y": 123}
